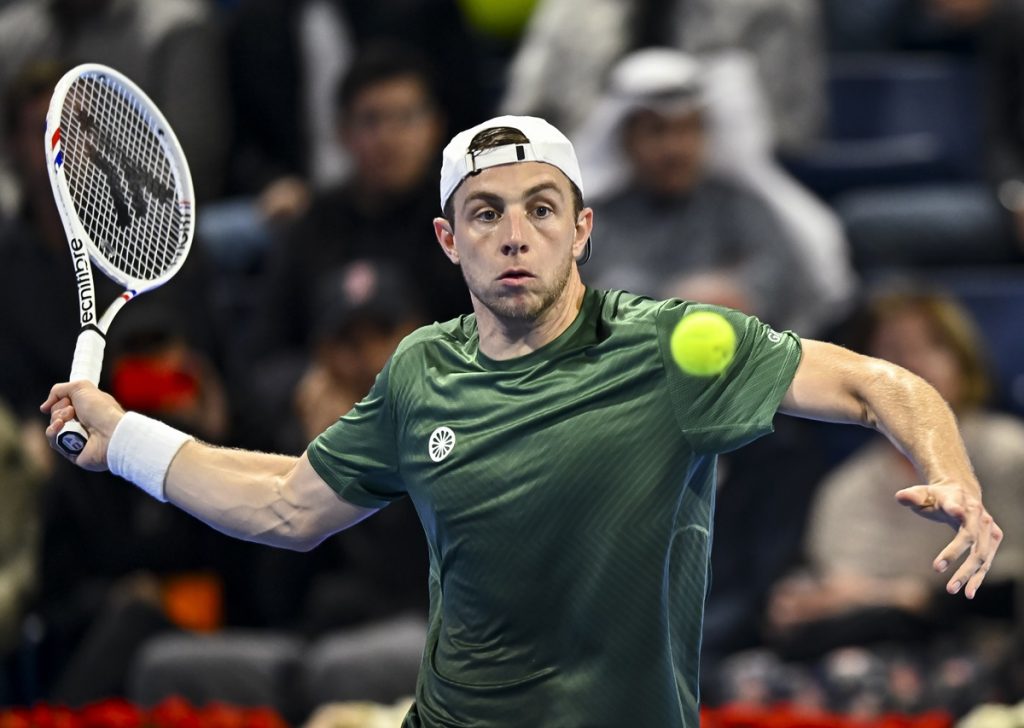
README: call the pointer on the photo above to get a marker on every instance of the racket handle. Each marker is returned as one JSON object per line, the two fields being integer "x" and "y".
{"x": 88, "y": 361}
{"x": 72, "y": 438}
{"x": 87, "y": 364}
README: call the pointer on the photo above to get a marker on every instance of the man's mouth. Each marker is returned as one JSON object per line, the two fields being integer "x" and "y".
{"x": 515, "y": 275}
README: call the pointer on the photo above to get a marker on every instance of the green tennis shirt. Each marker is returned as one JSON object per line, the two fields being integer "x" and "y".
{"x": 567, "y": 500}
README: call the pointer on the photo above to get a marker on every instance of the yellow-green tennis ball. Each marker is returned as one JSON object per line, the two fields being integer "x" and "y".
{"x": 703, "y": 343}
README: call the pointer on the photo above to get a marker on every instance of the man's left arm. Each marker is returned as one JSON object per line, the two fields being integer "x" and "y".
{"x": 836, "y": 385}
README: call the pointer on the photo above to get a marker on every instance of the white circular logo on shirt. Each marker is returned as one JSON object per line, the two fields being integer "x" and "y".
{"x": 442, "y": 440}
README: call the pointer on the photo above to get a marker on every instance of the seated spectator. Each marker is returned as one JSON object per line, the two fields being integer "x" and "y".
{"x": 674, "y": 227}
{"x": 157, "y": 371}
{"x": 861, "y": 587}
{"x": 286, "y": 59}
{"x": 390, "y": 122}
{"x": 366, "y": 309}
{"x": 559, "y": 75}
{"x": 378, "y": 570}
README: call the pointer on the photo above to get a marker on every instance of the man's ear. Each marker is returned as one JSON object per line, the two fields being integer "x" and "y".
{"x": 584, "y": 226}
{"x": 446, "y": 238}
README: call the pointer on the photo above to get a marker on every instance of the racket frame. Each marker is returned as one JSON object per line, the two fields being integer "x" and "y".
{"x": 88, "y": 359}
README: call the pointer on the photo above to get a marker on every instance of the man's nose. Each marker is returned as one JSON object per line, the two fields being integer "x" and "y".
{"x": 515, "y": 234}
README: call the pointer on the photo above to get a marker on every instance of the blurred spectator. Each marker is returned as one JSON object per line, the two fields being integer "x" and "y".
{"x": 379, "y": 569}
{"x": 19, "y": 546}
{"x": 366, "y": 309}
{"x": 871, "y": 577}
{"x": 558, "y": 74}
{"x": 156, "y": 371}
{"x": 287, "y": 59}
{"x": 171, "y": 48}
{"x": 675, "y": 228}
{"x": 390, "y": 122}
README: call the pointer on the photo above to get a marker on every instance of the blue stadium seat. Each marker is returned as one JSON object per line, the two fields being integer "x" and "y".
{"x": 895, "y": 119}
{"x": 995, "y": 298}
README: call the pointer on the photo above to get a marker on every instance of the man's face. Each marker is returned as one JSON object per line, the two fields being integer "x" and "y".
{"x": 666, "y": 151}
{"x": 516, "y": 237}
{"x": 393, "y": 133}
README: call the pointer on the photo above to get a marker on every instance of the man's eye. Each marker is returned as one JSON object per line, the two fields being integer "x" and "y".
{"x": 487, "y": 216}
{"x": 543, "y": 211}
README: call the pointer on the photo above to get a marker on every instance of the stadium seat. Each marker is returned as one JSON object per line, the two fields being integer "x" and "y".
{"x": 995, "y": 298}
{"x": 895, "y": 120}
{"x": 378, "y": 662}
{"x": 237, "y": 667}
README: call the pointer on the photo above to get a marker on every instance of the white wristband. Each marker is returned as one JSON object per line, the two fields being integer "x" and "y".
{"x": 141, "y": 450}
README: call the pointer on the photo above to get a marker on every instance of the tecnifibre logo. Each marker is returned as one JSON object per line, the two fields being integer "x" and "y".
{"x": 83, "y": 278}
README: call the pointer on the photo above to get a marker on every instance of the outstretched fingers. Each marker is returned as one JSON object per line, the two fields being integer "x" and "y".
{"x": 978, "y": 537}
{"x": 972, "y": 572}
{"x": 977, "y": 534}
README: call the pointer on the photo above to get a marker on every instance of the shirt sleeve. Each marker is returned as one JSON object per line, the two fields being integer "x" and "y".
{"x": 357, "y": 456}
{"x": 726, "y": 411}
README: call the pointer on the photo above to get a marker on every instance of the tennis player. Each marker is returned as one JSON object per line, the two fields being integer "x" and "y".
{"x": 562, "y": 465}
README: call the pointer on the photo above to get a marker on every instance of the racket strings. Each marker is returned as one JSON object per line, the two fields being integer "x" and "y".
{"x": 122, "y": 184}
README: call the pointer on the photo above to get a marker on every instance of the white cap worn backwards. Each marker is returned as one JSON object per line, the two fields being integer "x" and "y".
{"x": 546, "y": 144}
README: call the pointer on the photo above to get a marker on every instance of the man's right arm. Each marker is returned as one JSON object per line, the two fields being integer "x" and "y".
{"x": 276, "y": 500}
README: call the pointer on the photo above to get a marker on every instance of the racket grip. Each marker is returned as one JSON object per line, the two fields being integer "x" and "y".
{"x": 87, "y": 364}
{"x": 72, "y": 438}
{"x": 88, "y": 361}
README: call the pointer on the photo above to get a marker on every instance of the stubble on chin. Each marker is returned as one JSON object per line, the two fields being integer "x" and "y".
{"x": 522, "y": 307}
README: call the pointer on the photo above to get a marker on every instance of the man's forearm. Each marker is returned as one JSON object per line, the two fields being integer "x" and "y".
{"x": 912, "y": 414}
{"x": 243, "y": 494}
{"x": 837, "y": 385}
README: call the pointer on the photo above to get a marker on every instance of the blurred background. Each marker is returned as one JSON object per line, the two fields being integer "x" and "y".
{"x": 853, "y": 171}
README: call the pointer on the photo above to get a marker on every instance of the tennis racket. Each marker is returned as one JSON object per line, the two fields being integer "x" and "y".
{"x": 124, "y": 193}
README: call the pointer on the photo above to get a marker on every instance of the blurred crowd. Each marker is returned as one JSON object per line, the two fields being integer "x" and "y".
{"x": 853, "y": 171}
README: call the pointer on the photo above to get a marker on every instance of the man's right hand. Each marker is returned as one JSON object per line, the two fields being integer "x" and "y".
{"x": 98, "y": 412}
